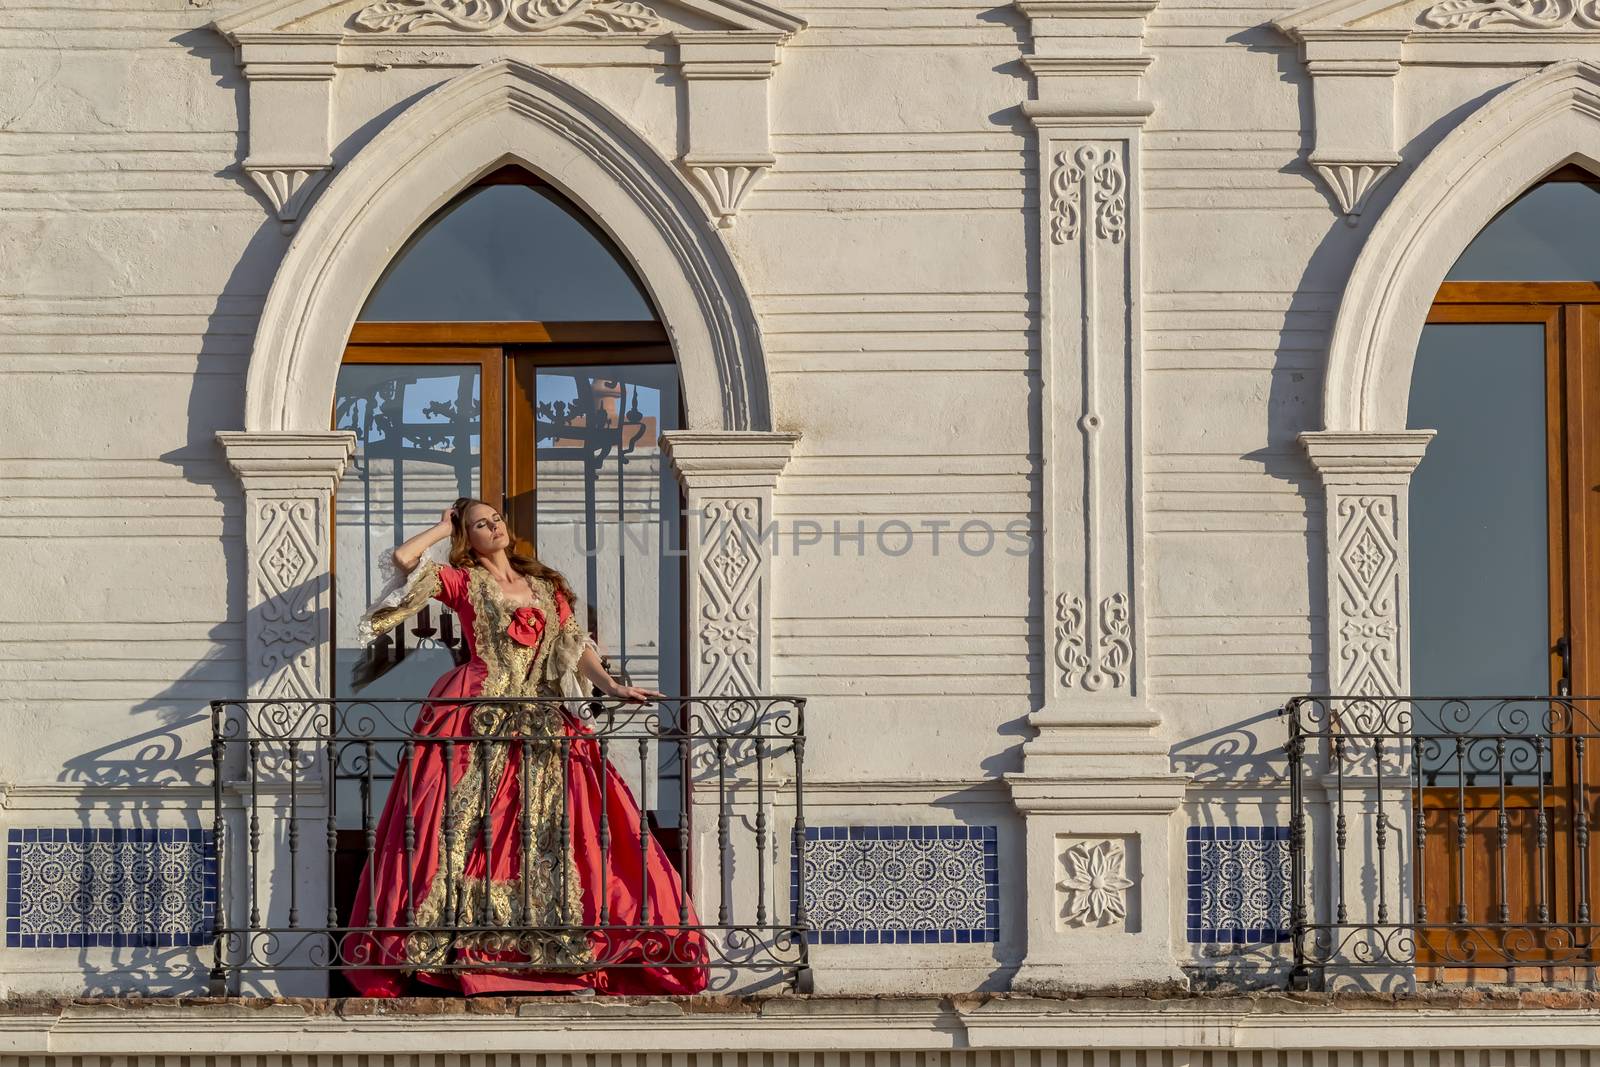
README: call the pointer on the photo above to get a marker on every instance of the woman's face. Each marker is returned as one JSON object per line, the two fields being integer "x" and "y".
{"x": 486, "y": 530}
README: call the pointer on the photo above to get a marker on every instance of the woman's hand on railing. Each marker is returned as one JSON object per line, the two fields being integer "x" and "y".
{"x": 633, "y": 694}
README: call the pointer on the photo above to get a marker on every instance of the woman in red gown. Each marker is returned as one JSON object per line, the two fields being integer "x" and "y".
{"x": 544, "y": 908}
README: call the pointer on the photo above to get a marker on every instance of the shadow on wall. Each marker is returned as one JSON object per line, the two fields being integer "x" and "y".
{"x": 991, "y": 804}
{"x": 1249, "y": 751}
{"x": 137, "y": 879}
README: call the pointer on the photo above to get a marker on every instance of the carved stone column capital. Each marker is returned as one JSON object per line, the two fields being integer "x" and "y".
{"x": 1360, "y": 458}
{"x": 290, "y": 80}
{"x": 1354, "y": 73}
{"x": 1087, "y": 60}
{"x": 288, "y": 460}
{"x": 728, "y": 459}
{"x": 725, "y": 82}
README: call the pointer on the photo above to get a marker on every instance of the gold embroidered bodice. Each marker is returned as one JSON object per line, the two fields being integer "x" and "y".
{"x": 511, "y": 668}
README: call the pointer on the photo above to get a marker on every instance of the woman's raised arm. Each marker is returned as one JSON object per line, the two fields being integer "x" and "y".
{"x": 409, "y": 553}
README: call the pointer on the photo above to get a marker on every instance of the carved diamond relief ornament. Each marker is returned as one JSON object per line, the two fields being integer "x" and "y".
{"x": 1366, "y": 587}
{"x": 1096, "y": 886}
{"x": 530, "y": 16}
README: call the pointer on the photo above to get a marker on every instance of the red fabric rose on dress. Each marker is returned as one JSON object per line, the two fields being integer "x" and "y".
{"x": 527, "y": 626}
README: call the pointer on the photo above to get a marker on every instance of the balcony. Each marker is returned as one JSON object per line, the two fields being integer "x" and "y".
{"x": 299, "y": 787}
{"x": 1443, "y": 839}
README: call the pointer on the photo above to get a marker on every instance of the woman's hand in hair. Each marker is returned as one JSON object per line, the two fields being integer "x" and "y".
{"x": 409, "y": 554}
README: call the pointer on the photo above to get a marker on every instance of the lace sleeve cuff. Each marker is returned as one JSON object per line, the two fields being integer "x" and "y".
{"x": 570, "y": 643}
{"x": 401, "y": 600}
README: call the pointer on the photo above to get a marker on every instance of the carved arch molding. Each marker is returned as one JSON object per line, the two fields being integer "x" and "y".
{"x": 294, "y": 54}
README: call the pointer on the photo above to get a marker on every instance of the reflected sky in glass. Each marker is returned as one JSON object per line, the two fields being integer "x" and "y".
{"x": 1545, "y": 235}
{"x": 1479, "y": 515}
{"x": 507, "y": 253}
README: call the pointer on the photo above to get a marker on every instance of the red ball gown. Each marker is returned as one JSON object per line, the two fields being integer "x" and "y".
{"x": 542, "y": 909}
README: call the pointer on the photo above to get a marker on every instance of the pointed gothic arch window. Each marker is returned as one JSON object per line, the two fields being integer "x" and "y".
{"x": 1504, "y": 524}
{"x": 509, "y": 352}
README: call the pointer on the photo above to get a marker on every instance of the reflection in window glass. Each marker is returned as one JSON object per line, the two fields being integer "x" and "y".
{"x": 1547, "y": 234}
{"x": 607, "y": 518}
{"x": 1479, "y": 515}
{"x": 417, "y": 448}
{"x": 508, "y": 253}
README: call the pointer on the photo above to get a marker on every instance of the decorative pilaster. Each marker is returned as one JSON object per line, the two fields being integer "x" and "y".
{"x": 288, "y": 480}
{"x": 728, "y": 479}
{"x": 1366, "y": 477}
{"x": 1088, "y": 63}
{"x": 1096, "y": 794}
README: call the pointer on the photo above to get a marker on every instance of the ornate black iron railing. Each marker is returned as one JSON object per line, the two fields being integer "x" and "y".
{"x": 1443, "y": 833}
{"x": 300, "y": 787}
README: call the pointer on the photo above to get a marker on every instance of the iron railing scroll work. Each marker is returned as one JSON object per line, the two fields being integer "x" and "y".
{"x": 299, "y": 789}
{"x": 1437, "y": 836}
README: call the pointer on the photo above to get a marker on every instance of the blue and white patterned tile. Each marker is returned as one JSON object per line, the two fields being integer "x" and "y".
{"x": 109, "y": 888}
{"x": 899, "y": 885}
{"x": 1238, "y": 882}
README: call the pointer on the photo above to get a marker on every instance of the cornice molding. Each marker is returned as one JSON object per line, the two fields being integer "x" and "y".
{"x": 288, "y": 459}
{"x": 1389, "y": 455}
{"x": 731, "y": 458}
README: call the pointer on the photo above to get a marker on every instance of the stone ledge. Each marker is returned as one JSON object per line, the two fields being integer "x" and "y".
{"x": 1437, "y": 1028}
{"x": 797, "y": 1006}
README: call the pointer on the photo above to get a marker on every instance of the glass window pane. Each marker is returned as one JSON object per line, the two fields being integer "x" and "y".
{"x": 508, "y": 253}
{"x": 1479, "y": 517}
{"x": 1544, "y": 235}
{"x": 1479, "y": 512}
{"x": 608, "y": 509}
{"x": 417, "y": 448}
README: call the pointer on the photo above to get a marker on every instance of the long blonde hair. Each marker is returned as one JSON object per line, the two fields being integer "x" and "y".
{"x": 461, "y": 554}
